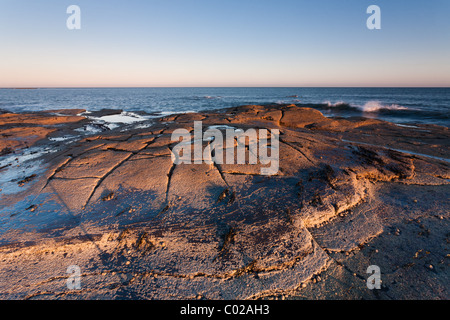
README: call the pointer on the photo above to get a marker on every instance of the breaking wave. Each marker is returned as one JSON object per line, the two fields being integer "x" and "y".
{"x": 370, "y": 106}
{"x": 389, "y": 112}
{"x": 374, "y": 106}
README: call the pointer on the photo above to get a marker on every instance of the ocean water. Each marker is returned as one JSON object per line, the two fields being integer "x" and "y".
{"x": 399, "y": 105}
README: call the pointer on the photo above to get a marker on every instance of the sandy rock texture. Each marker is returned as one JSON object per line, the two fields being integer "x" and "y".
{"x": 349, "y": 193}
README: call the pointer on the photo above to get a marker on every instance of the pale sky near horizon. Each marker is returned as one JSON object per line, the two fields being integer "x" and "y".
{"x": 224, "y": 43}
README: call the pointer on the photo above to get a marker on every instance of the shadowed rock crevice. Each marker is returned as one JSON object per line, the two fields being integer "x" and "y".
{"x": 105, "y": 176}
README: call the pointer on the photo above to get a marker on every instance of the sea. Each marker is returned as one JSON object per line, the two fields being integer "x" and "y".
{"x": 398, "y": 105}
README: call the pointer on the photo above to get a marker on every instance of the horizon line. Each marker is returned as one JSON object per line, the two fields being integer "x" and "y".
{"x": 156, "y": 87}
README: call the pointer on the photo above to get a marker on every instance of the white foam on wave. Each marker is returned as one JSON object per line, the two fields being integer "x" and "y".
{"x": 370, "y": 106}
{"x": 336, "y": 104}
{"x": 374, "y": 106}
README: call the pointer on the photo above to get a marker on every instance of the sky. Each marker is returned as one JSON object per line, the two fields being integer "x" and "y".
{"x": 230, "y": 43}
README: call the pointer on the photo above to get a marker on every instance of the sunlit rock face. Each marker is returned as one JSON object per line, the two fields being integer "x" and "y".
{"x": 349, "y": 193}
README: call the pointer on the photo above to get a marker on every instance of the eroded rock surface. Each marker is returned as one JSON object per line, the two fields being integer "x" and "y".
{"x": 140, "y": 226}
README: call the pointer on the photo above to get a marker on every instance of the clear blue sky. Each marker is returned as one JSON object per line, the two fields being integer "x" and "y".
{"x": 224, "y": 43}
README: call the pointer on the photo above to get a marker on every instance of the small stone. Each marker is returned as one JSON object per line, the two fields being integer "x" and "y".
{"x": 127, "y": 263}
